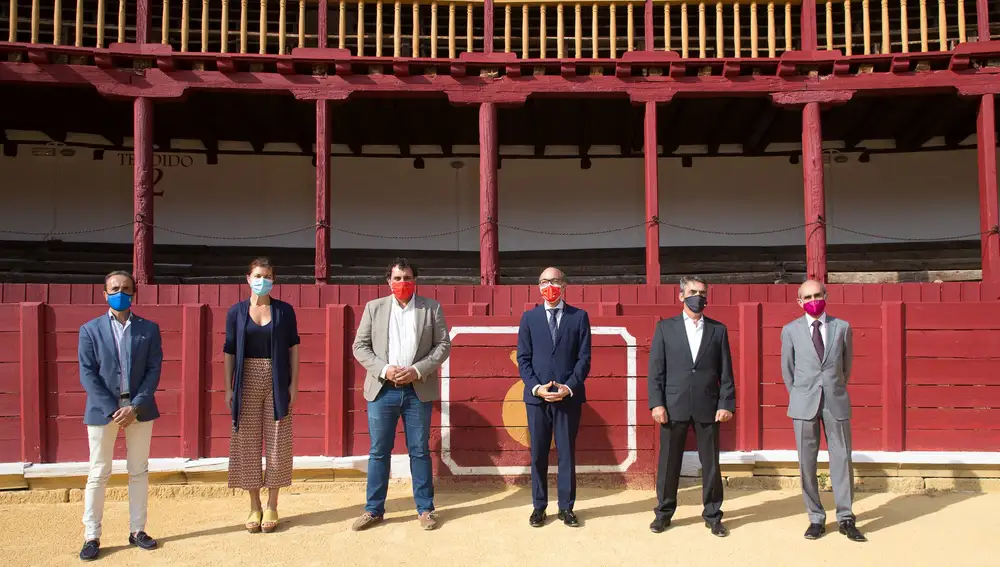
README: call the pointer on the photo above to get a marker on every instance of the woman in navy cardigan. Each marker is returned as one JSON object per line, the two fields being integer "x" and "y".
{"x": 262, "y": 364}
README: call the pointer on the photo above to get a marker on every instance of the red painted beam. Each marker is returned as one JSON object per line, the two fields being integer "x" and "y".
{"x": 156, "y": 83}
{"x": 488, "y": 27}
{"x": 983, "y": 19}
{"x": 815, "y": 193}
{"x": 323, "y": 29}
{"x": 323, "y": 139}
{"x": 807, "y": 25}
{"x": 32, "y": 331}
{"x": 193, "y": 365}
{"x": 749, "y": 422}
{"x": 893, "y": 376}
{"x": 650, "y": 150}
{"x": 142, "y": 238}
{"x": 489, "y": 248}
{"x": 989, "y": 207}
{"x": 336, "y": 381}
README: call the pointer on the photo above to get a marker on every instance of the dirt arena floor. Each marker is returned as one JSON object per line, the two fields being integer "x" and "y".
{"x": 489, "y": 527}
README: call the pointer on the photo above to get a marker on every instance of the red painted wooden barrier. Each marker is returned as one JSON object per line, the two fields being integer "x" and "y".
{"x": 926, "y": 373}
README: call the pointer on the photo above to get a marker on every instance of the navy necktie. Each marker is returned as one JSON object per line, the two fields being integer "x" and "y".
{"x": 552, "y": 323}
{"x": 818, "y": 339}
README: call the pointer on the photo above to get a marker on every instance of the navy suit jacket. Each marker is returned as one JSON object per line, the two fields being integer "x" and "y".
{"x": 565, "y": 362}
{"x": 100, "y": 370}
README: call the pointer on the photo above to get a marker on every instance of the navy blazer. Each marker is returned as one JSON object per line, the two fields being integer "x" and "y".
{"x": 565, "y": 362}
{"x": 100, "y": 369}
{"x": 284, "y": 335}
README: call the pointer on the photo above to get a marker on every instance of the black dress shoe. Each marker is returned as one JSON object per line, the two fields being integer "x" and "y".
{"x": 537, "y": 518}
{"x": 142, "y": 540}
{"x": 569, "y": 518}
{"x": 848, "y": 528}
{"x": 91, "y": 549}
{"x": 659, "y": 524}
{"x": 815, "y": 531}
{"x": 717, "y": 529}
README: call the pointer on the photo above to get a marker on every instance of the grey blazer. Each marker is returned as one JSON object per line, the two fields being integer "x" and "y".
{"x": 807, "y": 377}
{"x": 371, "y": 345}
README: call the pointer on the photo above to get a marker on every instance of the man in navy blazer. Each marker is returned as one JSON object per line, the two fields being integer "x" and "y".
{"x": 120, "y": 357}
{"x": 553, "y": 358}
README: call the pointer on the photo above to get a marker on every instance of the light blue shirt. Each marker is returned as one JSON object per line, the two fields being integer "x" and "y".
{"x": 123, "y": 343}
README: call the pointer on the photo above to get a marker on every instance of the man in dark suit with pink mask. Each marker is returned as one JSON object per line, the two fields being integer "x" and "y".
{"x": 553, "y": 356}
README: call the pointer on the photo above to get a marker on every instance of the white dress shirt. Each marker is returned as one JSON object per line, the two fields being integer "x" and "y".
{"x": 551, "y": 312}
{"x": 695, "y": 331}
{"x": 822, "y": 326}
{"x": 402, "y": 336}
{"x": 123, "y": 343}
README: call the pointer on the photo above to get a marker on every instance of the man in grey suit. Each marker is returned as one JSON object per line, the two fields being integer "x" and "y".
{"x": 816, "y": 358}
{"x": 402, "y": 341}
{"x": 120, "y": 358}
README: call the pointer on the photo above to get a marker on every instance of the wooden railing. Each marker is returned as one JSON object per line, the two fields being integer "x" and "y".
{"x": 531, "y": 29}
{"x": 867, "y": 27}
{"x": 79, "y": 23}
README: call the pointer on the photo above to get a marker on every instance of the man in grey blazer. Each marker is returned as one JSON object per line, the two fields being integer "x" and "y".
{"x": 120, "y": 357}
{"x": 816, "y": 358}
{"x": 401, "y": 341}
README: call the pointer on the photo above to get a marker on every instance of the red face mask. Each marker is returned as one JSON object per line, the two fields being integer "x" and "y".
{"x": 403, "y": 291}
{"x": 552, "y": 293}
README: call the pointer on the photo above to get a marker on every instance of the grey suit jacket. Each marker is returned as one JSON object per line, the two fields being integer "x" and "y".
{"x": 371, "y": 345}
{"x": 807, "y": 377}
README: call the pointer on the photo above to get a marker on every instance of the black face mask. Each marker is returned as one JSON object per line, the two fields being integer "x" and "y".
{"x": 696, "y": 303}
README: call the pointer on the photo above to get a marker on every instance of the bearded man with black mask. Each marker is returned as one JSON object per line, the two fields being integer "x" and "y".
{"x": 690, "y": 385}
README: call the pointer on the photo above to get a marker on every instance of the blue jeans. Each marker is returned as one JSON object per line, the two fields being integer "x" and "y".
{"x": 383, "y": 415}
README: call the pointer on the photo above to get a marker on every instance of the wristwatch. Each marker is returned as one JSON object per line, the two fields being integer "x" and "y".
{"x": 135, "y": 410}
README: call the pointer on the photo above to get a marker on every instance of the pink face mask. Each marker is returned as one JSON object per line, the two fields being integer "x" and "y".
{"x": 815, "y": 307}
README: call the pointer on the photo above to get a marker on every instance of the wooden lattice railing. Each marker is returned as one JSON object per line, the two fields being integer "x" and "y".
{"x": 894, "y": 26}
{"x": 530, "y": 29}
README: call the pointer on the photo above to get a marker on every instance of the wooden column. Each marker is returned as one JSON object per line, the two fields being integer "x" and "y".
{"x": 650, "y": 154}
{"x": 489, "y": 256}
{"x": 142, "y": 235}
{"x": 488, "y": 27}
{"x": 323, "y": 18}
{"x": 989, "y": 207}
{"x": 648, "y": 26}
{"x": 32, "y": 383}
{"x": 807, "y": 25}
{"x": 143, "y": 21}
{"x": 983, "y": 20}
{"x": 322, "y": 191}
{"x": 815, "y": 193}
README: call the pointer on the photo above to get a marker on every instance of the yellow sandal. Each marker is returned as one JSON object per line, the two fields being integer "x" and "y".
{"x": 253, "y": 521}
{"x": 270, "y": 517}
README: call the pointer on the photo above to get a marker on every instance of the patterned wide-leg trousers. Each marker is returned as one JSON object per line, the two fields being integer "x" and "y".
{"x": 258, "y": 432}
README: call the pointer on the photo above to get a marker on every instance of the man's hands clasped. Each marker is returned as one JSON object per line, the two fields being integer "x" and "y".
{"x": 401, "y": 376}
{"x": 124, "y": 417}
{"x": 562, "y": 391}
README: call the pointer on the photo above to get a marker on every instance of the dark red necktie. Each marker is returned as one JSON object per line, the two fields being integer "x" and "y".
{"x": 818, "y": 339}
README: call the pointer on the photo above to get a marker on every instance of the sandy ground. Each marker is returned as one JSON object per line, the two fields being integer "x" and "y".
{"x": 490, "y": 527}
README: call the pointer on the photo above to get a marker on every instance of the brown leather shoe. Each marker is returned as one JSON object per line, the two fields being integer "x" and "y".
{"x": 427, "y": 521}
{"x": 365, "y": 521}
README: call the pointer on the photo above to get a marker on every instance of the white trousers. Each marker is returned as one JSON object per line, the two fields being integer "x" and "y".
{"x": 102, "y": 445}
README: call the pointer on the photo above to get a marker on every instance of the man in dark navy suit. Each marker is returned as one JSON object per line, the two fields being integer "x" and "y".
{"x": 553, "y": 357}
{"x": 690, "y": 385}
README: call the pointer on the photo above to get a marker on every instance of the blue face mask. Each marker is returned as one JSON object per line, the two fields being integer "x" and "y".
{"x": 261, "y": 286}
{"x": 119, "y": 301}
